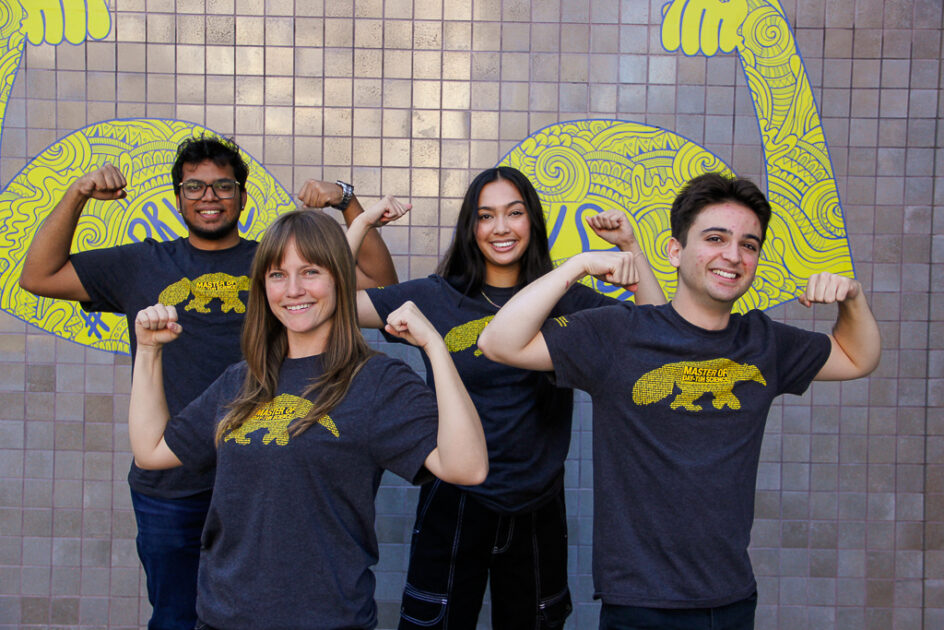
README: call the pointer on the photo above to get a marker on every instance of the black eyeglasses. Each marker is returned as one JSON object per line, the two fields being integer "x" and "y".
{"x": 223, "y": 188}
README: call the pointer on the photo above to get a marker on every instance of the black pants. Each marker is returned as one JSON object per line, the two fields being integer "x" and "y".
{"x": 459, "y": 544}
{"x": 736, "y": 616}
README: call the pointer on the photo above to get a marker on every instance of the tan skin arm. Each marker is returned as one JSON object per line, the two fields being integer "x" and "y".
{"x": 47, "y": 268}
{"x": 461, "y": 455}
{"x": 856, "y": 342}
{"x": 514, "y": 336}
{"x": 614, "y": 228}
{"x": 374, "y": 264}
{"x": 148, "y": 413}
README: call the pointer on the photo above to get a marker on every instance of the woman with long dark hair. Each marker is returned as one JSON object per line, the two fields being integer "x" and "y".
{"x": 510, "y": 531}
{"x": 299, "y": 434}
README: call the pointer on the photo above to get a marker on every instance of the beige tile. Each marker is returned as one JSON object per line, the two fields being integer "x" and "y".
{"x": 368, "y": 63}
{"x": 191, "y": 60}
{"x": 250, "y": 30}
{"x": 516, "y": 37}
{"x": 426, "y": 123}
{"x": 513, "y": 125}
{"x": 486, "y": 66}
{"x": 338, "y": 62}
{"x": 457, "y": 65}
{"x": 397, "y": 93}
{"x": 426, "y": 94}
{"x": 279, "y": 61}
{"x": 131, "y": 58}
{"x": 514, "y": 96}
{"x": 456, "y": 124}
{"x": 455, "y": 95}
{"x": 457, "y": 36}
{"x": 396, "y": 152}
{"x": 457, "y": 11}
{"x": 397, "y": 34}
{"x": 308, "y": 121}
{"x": 366, "y": 151}
{"x": 398, "y": 64}
{"x": 250, "y": 60}
{"x": 338, "y": 92}
{"x": 367, "y": 122}
{"x": 486, "y": 36}
{"x": 396, "y": 181}
{"x": 427, "y": 35}
{"x": 487, "y": 10}
{"x": 425, "y": 153}
{"x": 396, "y": 123}
{"x": 191, "y": 29}
{"x": 309, "y": 92}
{"x": 307, "y": 150}
{"x": 249, "y": 121}
{"x": 337, "y": 121}
{"x": 130, "y": 27}
{"x": 279, "y": 31}
{"x": 484, "y": 125}
{"x": 573, "y": 68}
{"x": 427, "y": 64}
{"x": 279, "y": 91}
{"x": 515, "y": 66}
{"x": 368, "y": 93}
{"x": 220, "y": 60}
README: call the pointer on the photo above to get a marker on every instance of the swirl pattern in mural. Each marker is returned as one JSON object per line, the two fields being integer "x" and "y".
{"x": 597, "y": 165}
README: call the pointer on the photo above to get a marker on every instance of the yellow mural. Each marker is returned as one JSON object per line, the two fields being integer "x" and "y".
{"x": 584, "y": 167}
{"x": 578, "y": 167}
{"x": 143, "y": 149}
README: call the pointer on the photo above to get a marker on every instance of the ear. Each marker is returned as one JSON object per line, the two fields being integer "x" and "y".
{"x": 673, "y": 251}
{"x": 243, "y": 196}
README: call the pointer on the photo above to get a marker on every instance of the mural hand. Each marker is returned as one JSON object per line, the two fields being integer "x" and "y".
{"x": 156, "y": 325}
{"x": 74, "y": 21}
{"x": 105, "y": 183}
{"x": 318, "y": 194}
{"x": 616, "y": 268}
{"x": 829, "y": 288}
{"x": 613, "y": 227}
{"x": 409, "y": 323}
{"x": 705, "y": 25}
{"x": 388, "y": 209}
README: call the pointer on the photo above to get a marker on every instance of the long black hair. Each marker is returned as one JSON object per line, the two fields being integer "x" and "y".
{"x": 464, "y": 265}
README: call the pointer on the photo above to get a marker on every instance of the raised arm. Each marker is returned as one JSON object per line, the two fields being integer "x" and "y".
{"x": 613, "y": 227}
{"x": 514, "y": 336}
{"x": 148, "y": 414}
{"x": 461, "y": 455}
{"x": 47, "y": 269}
{"x": 374, "y": 264}
{"x": 856, "y": 343}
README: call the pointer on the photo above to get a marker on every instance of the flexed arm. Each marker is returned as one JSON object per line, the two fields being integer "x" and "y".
{"x": 374, "y": 264}
{"x": 856, "y": 343}
{"x": 514, "y": 337}
{"x": 148, "y": 413}
{"x": 47, "y": 270}
{"x": 613, "y": 227}
{"x": 461, "y": 455}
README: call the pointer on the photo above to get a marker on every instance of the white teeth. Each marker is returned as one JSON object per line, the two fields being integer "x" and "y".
{"x": 297, "y": 307}
{"x": 725, "y": 274}
{"x": 503, "y": 244}
{"x": 209, "y": 212}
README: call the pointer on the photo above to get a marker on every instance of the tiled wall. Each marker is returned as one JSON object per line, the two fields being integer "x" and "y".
{"x": 413, "y": 98}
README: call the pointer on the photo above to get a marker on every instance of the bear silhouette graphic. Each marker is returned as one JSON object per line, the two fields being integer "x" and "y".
{"x": 275, "y": 417}
{"x": 464, "y": 336}
{"x": 206, "y": 288}
{"x": 694, "y": 379}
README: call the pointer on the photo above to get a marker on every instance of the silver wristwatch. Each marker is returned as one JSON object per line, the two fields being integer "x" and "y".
{"x": 347, "y": 194}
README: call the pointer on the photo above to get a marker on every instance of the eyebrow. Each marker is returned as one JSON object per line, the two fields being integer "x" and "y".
{"x": 507, "y": 205}
{"x": 727, "y": 231}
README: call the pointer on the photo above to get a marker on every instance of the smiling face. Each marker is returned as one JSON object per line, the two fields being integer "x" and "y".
{"x": 303, "y": 297}
{"x": 718, "y": 262}
{"x": 502, "y": 231}
{"x": 212, "y": 222}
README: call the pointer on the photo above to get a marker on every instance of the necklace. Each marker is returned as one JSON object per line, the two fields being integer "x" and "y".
{"x": 488, "y": 299}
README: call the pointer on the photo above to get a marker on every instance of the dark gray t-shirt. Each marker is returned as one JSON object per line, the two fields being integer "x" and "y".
{"x": 209, "y": 289}
{"x": 678, "y": 419}
{"x": 289, "y": 538}
{"x": 526, "y": 418}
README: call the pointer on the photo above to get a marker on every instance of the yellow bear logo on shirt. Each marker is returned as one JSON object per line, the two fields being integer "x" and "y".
{"x": 275, "y": 416}
{"x": 694, "y": 379}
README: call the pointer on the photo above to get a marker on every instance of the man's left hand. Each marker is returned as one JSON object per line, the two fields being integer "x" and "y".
{"x": 829, "y": 288}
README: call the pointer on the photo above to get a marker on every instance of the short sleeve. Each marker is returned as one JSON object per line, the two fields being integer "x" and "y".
{"x": 105, "y": 275}
{"x": 390, "y": 298}
{"x": 581, "y": 346}
{"x": 404, "y": 421}
{"x": 801, "y": 354}
{"x": 580, "y": 298}
{"x": 191, "y": 434}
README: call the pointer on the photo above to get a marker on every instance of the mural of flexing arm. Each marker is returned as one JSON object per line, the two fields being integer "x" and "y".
{"x": 274, "y": 417}
{"x": 465, "y": 336}
{"x": 205, "y": 288}
{"x": 694, "y": 379}
{"x": 584, "y": 167}
{"x": 143, "y": 149}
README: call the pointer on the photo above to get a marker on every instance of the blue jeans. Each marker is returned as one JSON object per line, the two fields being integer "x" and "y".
{"x": 169, "y": 547}
{"x": 736, "y": 616}
{"x": 459, "y": 546}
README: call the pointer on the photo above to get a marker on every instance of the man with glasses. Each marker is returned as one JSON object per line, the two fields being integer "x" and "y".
{"x": 206, "y": 275}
